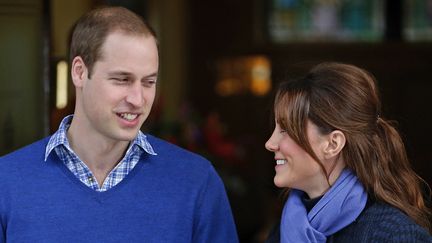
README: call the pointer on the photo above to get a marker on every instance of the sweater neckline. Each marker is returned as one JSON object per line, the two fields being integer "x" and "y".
{"x": 98, "y": 195}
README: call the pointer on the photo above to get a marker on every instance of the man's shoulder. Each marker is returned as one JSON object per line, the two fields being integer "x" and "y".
{"x": 175, "y": 159}
{"x": 28, "y": 153}
{"x": 167, "y": 149}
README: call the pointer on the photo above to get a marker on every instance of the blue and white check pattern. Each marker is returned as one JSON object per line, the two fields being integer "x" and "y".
{"x": 60, "y": 144}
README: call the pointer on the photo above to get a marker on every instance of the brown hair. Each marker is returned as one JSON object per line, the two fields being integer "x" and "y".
{"x": 91, "y": 30}
{"x": 343, "y": 97}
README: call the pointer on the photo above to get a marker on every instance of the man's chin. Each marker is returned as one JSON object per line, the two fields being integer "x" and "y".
{"x": 127, "y": 136}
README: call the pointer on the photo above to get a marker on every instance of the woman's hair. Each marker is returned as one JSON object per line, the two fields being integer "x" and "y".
{"x": 91, "y": 30}
{"x": 343, "y": 97}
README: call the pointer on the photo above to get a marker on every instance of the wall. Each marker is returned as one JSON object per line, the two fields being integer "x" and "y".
{"x": 23, "y": 117}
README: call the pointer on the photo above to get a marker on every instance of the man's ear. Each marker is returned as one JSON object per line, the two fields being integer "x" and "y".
{"x": 335, "y": 143}
{"x": 79, "y": 71}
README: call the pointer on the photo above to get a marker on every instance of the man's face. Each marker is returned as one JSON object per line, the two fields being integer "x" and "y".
{"x": 117, "y": 98}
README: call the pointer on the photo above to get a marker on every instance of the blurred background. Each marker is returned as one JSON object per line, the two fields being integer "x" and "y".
{"x": 220, "y": 62}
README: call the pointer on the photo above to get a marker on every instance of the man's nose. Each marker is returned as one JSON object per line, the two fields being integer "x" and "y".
{"x": 135, "y": 94}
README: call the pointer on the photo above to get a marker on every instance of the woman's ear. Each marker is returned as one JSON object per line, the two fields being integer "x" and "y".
{"x": 78, "y": 71}
{"x": 335, "y": 144}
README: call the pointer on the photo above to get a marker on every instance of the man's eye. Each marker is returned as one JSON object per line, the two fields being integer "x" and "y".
{"x": 149, "y": 82}
{"x": 120, "y": 79}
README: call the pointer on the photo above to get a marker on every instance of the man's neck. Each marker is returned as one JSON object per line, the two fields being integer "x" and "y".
{"x": 99, "y": 154}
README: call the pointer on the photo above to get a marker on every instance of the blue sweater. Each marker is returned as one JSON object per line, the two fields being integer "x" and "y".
{"x": 175, "y": 196}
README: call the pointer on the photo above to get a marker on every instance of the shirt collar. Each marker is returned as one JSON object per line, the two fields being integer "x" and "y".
{"x": 59, "y": 138}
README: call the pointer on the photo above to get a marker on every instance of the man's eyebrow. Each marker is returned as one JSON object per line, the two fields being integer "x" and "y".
{"x": 125, "y": 73}
{"x": 153, "y": 75}
{"x": 119, "y": 73}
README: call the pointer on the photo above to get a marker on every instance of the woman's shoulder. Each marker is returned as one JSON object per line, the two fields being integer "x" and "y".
{"x": 381, "y": 222}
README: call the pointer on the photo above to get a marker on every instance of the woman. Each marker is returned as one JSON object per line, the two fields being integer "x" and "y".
{"x": 344, "y": 166}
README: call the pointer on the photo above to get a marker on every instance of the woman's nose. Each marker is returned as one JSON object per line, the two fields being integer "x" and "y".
{"x": 271, "y": 144}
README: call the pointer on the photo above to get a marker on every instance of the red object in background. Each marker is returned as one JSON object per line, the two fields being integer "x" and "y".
{"x": 216, "y": 140}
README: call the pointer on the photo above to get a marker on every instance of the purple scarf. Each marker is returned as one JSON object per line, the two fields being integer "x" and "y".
{"x": 339, "y": 207}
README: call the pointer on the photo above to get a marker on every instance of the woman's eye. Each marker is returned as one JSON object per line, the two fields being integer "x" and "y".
{"x": 281, "y": 130}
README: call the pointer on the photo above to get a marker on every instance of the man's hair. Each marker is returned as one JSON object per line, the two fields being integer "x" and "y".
{"x": 92, "y": 29}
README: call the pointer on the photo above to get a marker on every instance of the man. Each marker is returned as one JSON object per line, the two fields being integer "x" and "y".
{"x": 99, "y": 178}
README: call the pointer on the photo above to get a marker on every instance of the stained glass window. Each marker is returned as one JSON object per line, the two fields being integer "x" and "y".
{"x": 326, "y": 20}
{"x": 417, "y": 20}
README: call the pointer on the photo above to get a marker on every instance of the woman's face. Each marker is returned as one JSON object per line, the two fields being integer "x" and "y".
{"x": 295, "y": 168}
